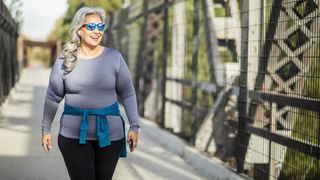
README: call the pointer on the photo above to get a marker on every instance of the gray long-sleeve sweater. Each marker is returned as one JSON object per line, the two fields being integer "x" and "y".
{"x": 93, "y": 83}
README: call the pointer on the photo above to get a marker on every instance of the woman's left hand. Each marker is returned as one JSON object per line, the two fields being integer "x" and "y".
{"x": 132, "y": 140}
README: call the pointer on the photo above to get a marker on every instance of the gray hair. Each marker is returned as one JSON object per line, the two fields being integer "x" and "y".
{"x": 70, "y": 49}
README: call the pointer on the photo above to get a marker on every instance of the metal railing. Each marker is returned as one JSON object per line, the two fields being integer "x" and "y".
{"x": 239, "y": 79}
{"x": 279, "y": 115}
{"x": 8, "y": 52}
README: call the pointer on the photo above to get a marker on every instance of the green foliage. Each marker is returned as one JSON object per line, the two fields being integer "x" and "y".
{"x": 225, "y": 55}
{"x": 313, "y": 83}
{"x": 301, "y": 8}
{"x": 306, "y": 129}
{"x": 300, "y": 166}
{"x": 204, "y": 99}
{"x": 15, "y": 9}
{"x": 267, "y": 11}
{"x": 63, "y": 24}
{"x": 39, "y": 54}
{"x": 220, "y": 12}
{"x": 60, "y": 32}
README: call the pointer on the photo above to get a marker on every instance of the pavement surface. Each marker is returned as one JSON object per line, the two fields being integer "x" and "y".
{"x": 22, "y": 158}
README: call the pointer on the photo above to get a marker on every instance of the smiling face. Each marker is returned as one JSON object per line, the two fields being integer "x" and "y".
{"x": 93, "y": 38}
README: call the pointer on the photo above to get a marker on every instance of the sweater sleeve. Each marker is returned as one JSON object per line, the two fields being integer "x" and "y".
{"x": 126, "y": 92}
{"x": 54, "y": 95}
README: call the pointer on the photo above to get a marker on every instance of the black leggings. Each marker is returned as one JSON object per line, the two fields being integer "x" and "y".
{"x": 89, "y": 161}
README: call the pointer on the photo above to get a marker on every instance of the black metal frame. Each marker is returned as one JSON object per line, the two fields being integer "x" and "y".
{"x": 8, "y": 52}
{"x": 243, "y": 136}
{"x": 248, "y": 100}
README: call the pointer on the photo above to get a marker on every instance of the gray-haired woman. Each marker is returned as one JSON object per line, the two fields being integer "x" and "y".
{"x": 90, "y": 77}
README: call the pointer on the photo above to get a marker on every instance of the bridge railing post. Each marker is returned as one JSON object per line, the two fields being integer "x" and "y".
{"x": 195, "y": 44}
{"x": 164, "y": 65}
{"x": 242, "y": 137}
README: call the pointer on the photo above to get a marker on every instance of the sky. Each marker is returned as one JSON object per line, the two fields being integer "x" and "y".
{"x": 40, "y": 16}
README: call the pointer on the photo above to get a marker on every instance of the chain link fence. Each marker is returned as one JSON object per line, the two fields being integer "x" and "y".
{"x": 238, "y": 79}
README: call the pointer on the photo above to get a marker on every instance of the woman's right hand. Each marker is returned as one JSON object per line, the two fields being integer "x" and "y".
{"x": 46, "y": 142}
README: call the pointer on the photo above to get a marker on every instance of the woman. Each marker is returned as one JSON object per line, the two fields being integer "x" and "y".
{"x": 90, "y": 77}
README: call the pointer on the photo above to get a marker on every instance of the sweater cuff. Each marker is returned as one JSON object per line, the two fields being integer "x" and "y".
{"x": 134, "y": 128}
{"x": 45, "y": 131}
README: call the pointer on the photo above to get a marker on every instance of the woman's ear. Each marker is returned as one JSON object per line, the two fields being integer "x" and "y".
{"x": 79, "y": 33}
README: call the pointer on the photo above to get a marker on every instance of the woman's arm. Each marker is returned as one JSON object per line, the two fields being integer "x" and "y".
{"x": 55, "y": 94}
{"x": 125, "y": 90}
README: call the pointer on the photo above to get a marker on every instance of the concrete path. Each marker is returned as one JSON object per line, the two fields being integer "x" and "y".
{"x": 22, "y": 158}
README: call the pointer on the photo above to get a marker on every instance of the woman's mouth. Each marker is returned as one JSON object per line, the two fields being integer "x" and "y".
{"x": 95, "y": 37}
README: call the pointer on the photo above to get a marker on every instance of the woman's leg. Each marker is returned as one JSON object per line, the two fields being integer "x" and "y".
{"x": 106, "y": 159}
{"x": 79, "y": 158}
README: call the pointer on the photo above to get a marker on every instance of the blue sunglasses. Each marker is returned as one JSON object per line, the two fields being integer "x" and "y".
{"x": 93, "y": 26}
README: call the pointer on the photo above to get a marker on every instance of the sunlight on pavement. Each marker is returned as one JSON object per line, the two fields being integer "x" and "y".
{"x": 13, "y": 125}
{"x": 18, "y": 144}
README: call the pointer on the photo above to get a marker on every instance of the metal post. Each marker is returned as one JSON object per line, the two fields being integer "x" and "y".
{"x": 164, "y": 65}
{"x": 2, "y": 84}
{"x": 273, "y": 126}
{"x": 209, "y": 40}
{"x": 140, "y": 60}
{"x": 195, "y": 44}
{"x": 242, "y": 138}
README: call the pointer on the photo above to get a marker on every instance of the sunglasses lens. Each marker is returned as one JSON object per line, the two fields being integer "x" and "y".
{"x": 101, "y": 27}
{"x": 91, "y": 26}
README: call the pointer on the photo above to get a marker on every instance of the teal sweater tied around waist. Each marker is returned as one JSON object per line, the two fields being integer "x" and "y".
{"x": 103, "y": 131}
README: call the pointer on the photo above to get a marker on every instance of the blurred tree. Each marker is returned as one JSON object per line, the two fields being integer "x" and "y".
{"x": 14, "y": 6}
{"x": 62, "y": 26}
{"x": 39, "y": 55}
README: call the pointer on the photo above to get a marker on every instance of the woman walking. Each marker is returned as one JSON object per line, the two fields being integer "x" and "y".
{"x": 90, "y": 77}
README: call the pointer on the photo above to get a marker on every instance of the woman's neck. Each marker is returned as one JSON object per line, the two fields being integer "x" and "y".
{"x": 89, "y": 52}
